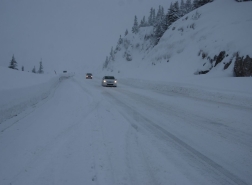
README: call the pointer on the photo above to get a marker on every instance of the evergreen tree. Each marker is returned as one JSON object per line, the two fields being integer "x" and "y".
{"x": 40, "y": 71}
{"x": 162, "y": 13}
{"x": 105, "y": 65}
{"x": 188, "y": 6}
{"x": 165, "y": 21}
{"x": 120, "y": 40}
{"x": 182, "y": 8}
{"x": 22, "y": 68}
{"x": 173, "y": 13}
{"x": 199, "y": 3}
{"x": 152, "y": 17}
{"x": 160, "y": 27}
{"x": 112, "y": 55}
{"x": 143, "y": 22}
{"x": 13, "y": 63}
{"x": 158, "y": 33}
{"x": 160, "y": 16}
{"x": 135, "y": 27}
{"x": 126, "y": 32}
{"x": 176, "y": 11}
{"x": 203, "y": 2}
{"x": 34, "y": 70}
{"x": 195, "y": 4}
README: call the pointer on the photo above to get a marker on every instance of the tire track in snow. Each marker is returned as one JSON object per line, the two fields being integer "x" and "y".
{"x": 217, "y": 169}
{"x": 210, "y": 124}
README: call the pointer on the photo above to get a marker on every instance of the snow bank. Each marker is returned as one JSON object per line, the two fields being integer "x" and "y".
{"x": 20, "y": 90}
{"x": 234, "y": 91}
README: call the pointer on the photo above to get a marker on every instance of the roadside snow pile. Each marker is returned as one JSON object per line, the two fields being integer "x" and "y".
{"x": 232, "y": 91}
{"x": 20, "y": 90}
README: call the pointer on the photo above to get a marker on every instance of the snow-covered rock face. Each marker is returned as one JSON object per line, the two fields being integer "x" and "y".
{"x": 205, "y": 40}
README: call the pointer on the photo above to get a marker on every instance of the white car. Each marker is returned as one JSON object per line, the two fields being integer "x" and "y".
{"x": 109, "y": 81}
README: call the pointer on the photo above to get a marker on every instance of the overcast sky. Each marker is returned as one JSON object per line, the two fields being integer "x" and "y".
{"x": 66, "y": 34}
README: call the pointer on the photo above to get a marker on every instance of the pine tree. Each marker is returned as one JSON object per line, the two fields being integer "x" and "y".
{"x": 199, "y": 3}
{"x": 143, "y": 22}
{"x": 158, "y": 33}
{"x": 105, "y": 65}
{"x": 40, "y": 71}
{"x": 152, "y": 17}
{"x": 176, "y": 11}
{"x": 165, "y": 21}
{"x": 126, "y": 32}
{"x": 188, "y": 6}
{"x": 120, "y": 40}
{"x": 173, "y": 13}
{"x": 160, "y": 16}
{"x": 203, "y": 2}
{"x": 22, "y": 68}
{"x": 182, "y": 8}
{"x": 112, "y": 55}
{"x": 135, "y": 27}
{"x": 195, "y": 4}
{"x": 34, "y": 70}
{"x": 13, "y": 63}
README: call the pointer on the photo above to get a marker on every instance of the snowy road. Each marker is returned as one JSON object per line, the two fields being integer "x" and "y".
{"x": 84, "y": 133}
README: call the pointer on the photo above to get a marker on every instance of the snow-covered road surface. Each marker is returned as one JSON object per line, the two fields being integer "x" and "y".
{"x": 84, "y": 133}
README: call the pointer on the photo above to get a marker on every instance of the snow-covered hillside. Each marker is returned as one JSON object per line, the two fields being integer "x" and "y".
{"x": 190, "y": 44}
{"x": 21, "y": 90}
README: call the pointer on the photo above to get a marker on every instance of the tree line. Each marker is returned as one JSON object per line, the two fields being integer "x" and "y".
{"x": 161, "y": 21}
{"x": 13, "y": 65}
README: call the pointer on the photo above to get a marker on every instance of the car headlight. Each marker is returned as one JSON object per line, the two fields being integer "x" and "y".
{"x": 104, "y": 81}
{"x": 115, "y": 81}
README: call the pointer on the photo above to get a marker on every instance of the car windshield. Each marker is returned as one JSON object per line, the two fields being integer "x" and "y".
{"x": 109, "y": 77}
{"x": 89, "y": 74}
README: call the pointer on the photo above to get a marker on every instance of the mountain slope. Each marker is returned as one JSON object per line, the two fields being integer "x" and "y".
{"x": 191, "y": 44}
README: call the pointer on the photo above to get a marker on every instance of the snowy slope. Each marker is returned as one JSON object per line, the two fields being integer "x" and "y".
{"x": 218, "y": 26}
{"x": 20, "y": 90}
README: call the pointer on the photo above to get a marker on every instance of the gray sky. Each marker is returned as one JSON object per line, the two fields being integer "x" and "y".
{"x": 66, "y": 34}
